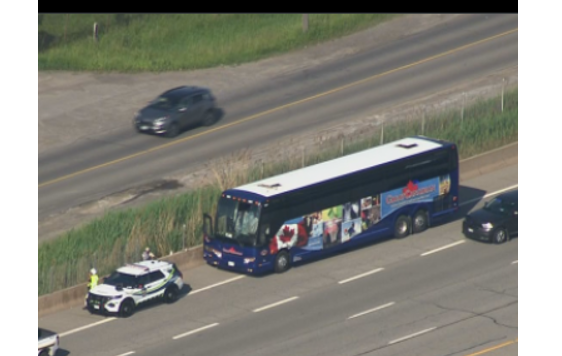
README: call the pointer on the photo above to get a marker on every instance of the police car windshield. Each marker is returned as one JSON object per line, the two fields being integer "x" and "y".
{"x": 121, "y": 279}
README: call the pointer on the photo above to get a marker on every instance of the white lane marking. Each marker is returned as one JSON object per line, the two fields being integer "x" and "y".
{"x": 360, "y": 276}
{"x": 195, "y": 331}
{"x": 411, "y": 335}
{"x": 489, "y": 194}
{"x": 275, "y": 304}
{"x": 515, "y": 262}
{"x": 127, "y": 353}
{"x": 443, "y": 248}
{"x": 372, "y": 310}
{"x": 86, "y": 327}
{"x": 216, "y": 285}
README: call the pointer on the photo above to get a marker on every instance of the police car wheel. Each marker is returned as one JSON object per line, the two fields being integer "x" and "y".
{"x": 171, "y": 294}
{"x": 127, "y": 308}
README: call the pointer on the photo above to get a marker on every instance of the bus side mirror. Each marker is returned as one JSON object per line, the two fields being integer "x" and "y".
{"x": 207, "y": 225}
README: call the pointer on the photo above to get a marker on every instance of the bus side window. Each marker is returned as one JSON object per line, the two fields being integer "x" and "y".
{"x": 454, "y": 159}
{"x": 443, "y": 202}
{"x": 264, "y": 234}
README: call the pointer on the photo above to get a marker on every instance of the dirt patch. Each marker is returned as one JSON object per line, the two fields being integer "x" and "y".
{"x": 126, "y": 197}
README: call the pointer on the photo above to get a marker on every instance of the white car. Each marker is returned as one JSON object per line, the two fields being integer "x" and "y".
{"x": 134, "y": 284}
{"x": 48, "y": 342}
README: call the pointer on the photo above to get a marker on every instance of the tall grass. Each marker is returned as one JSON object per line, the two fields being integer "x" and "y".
{"x": 162, "y": 42}
{"x": 119, "y": 237}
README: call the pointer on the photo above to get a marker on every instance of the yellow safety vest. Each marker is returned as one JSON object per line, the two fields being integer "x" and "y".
{"x": 93, "y": 281}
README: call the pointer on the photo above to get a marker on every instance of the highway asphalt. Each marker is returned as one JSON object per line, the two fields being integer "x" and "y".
{"x": 402, "y": 70}
{"x": 431, "y": 294}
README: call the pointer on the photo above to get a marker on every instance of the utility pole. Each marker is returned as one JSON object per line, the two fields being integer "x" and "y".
{"x": 305, "y": 23}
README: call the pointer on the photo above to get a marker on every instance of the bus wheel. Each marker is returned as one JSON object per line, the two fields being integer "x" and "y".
{"x": 402, "y": 227}
{"x": 420, "y": 221}
{"x": 282, "y": 262}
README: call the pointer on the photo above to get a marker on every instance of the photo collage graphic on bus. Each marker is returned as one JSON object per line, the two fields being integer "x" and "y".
{"x": 339, "y": 224}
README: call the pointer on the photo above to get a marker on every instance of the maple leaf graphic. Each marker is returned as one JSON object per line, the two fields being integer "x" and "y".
{"x": 287, "y": 234}
{"x": 411, "y": 187}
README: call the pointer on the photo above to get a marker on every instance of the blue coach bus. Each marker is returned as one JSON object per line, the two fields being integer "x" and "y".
{"x": 395, "y": 189}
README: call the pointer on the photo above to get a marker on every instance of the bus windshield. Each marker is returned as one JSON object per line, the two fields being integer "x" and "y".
{"x": 237, "y": 221}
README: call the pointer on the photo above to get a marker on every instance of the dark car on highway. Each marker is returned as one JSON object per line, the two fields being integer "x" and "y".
{"x": 176, "y": 109}
{"x": 496, "y": 222}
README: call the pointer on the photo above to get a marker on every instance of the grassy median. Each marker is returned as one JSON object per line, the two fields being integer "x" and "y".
{"x": 119, "y": 237}
{"x": 164, "y": 42}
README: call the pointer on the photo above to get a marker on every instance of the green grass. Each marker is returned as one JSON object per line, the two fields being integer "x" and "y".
{"x": 164, "y": 42}
{"x": 119, "y": 237}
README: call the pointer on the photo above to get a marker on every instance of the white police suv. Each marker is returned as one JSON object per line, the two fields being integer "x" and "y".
{"x": 134, "y": 284}
{"x": 48, "y": 342}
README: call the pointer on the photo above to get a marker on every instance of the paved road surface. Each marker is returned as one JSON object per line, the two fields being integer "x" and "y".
{"x": 429, "y": 61}
{"x": 455, "y": 301}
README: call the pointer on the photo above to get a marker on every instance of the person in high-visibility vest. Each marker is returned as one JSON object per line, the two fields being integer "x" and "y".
{"x": 91, "y": 283}
{"x": 93, "y": 279}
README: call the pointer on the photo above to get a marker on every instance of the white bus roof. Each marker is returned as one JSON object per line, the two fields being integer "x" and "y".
{"x": 338, "y": 167}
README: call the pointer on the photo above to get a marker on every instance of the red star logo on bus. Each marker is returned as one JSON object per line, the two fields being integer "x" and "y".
{"x": 233, "y": 251}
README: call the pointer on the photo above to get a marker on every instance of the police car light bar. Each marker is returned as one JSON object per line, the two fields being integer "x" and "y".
{"x": 134, "y": 265}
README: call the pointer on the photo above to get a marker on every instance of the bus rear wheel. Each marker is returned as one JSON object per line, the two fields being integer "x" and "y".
{"x": 421, "y": 222}
{"x": 402, "y": 227}
{"x": 282, "y": 262}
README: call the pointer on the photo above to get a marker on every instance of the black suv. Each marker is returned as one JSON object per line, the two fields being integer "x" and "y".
{"x": 176, "y": 109}
{"x": 496, "y": 222}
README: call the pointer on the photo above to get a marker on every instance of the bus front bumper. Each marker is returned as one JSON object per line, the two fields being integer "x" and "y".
{"x": 233, "y": 265}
